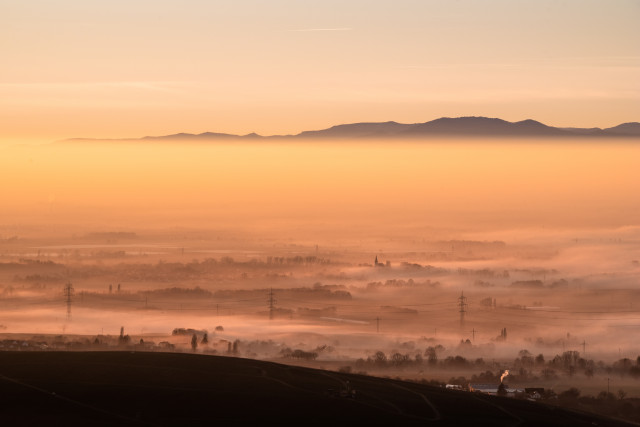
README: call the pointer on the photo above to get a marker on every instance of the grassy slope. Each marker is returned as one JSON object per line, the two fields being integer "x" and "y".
{"x": 124, "y": 388}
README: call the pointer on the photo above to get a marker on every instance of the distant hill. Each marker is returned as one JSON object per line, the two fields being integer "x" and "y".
{"x": 630, "y": 129}
{"x": 443, "y": 127}
{"x": 358, "y": 130}
{"x": 172, "y": 389}
{"x": 482, "y": 126}
{"x": 465, "y": 126}
{"x": 205, "y": 135}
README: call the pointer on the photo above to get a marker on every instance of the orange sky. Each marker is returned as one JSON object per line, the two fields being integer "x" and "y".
{"x": 384, "y": 185}
{"x": 73, "y": 68}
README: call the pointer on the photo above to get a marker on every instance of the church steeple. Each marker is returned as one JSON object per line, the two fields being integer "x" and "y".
{"x": 376, "y": 261}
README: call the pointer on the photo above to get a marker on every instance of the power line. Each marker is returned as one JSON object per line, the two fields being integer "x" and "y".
{"x": 68, "y": 292}
{"x": 271, "y": 303}
{"x": 462, "y": 304}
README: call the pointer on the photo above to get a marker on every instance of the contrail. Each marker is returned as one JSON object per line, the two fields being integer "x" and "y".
{"x": 322, "y": 29}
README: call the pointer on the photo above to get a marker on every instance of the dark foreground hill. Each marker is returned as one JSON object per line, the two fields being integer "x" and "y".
{"x": 126, "y": 388}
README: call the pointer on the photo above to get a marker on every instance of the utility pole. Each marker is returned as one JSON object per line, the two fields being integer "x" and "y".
{"x": 68, "y": 292}
{"x": 584, "y": 348}
{"x": 272, "y": 302}
{"x": 462, "y": 304}
{"x": 377, "y": 325}
{"x": 473, "y": 334}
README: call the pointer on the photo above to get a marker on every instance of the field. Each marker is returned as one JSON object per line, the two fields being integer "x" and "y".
{"x": 126, "y": 388}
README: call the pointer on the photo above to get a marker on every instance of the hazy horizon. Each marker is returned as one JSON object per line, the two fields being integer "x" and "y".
{"x": 516, "y": 183}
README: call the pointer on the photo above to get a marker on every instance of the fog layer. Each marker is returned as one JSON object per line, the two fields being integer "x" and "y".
{"x": 349, "y": 247}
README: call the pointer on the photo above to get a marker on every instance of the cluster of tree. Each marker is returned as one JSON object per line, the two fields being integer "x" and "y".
{"x": 456, "y": 362}
{"x": 488, "y": 302}
{"x": 278, "y": 312}
{"x": 539, "y": 284}
{"x": 485, "y": 272}
{"x": 526, "y": 367}
{"x": 298, "y": 354}
{"x": 317, "y": 292}
{"x": 569, "y": 340}
{"x": 570, "y": 362}
{"x": 37, "y": 262}
{"x": 605, "y": 403}
{"x": 526, "y": 359}
{"x": 269, "y": 348}
{"x": 31, "y": 265}
{"x": 528, "y": 284}
{"x": 301, "y": 354}
{"x": 400, "y": 283}
{"x": 297, "y": 260}
{"x": 189, "y": 331}
{"x": 486, "y": 377}
{"x": 233, "y": 348}
{"x": 562, "y": 283}
{"x": 109, "y": 254}
{"x": 40, "y": 278}
{"x": 431, "y": 353}
{"x": 99, "y": 342}
{"x": 176, "y": 292}
{"x": 397, "y": 310}
{"x": 627, "y": 366}
{"x": 10, "y": 290}
{"x": 536, "y": 271}
{"x": 317, "y": 312}
{"x": 483, "y": 284}
{"x": 429, "y": 269}
{"x": 379, "y": 360}
{"x": 163, "y": 271}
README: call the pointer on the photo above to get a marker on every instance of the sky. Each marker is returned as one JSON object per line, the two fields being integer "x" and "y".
{"x": 114, "y": 69}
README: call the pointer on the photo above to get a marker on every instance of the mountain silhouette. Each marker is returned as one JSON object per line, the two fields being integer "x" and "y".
{"x": 478, "y": 127}
{"x": 482, "y": 126}
{"x": 358, "y": 130}
{"x": 628, "y": 129}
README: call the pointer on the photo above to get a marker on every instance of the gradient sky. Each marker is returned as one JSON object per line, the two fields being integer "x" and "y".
{"x": 108, "y": 69}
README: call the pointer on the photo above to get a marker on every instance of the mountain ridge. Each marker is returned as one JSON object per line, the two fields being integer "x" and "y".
{"x": 468, "y": 126}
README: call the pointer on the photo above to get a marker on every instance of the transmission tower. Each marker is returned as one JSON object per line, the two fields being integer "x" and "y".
{"x": 271, "y": 301}
{"x": 68, "y": 292}
{"x": 462, "y": 304}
